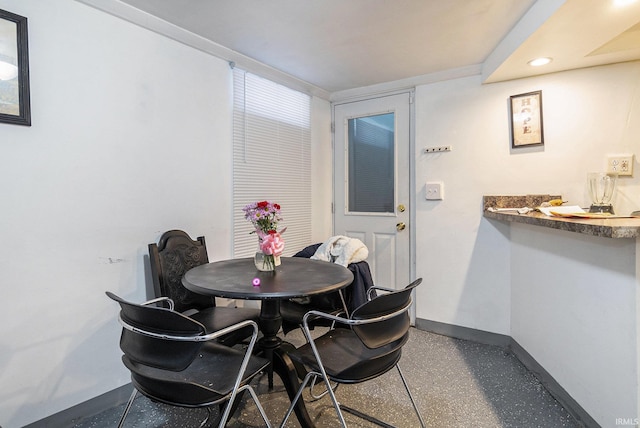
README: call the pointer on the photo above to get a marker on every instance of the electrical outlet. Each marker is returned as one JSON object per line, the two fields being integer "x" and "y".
{"x": 620, "y": 164}
{"x": 434, "y": 191}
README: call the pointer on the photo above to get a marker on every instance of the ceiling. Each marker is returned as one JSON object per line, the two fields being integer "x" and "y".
{"x": 331, "y": 46}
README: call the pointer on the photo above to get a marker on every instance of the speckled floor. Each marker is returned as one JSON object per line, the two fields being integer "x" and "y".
{"x": 456, "y": 383}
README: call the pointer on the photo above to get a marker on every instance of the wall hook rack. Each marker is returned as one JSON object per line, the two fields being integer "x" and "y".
{"x": 437, "y": 149}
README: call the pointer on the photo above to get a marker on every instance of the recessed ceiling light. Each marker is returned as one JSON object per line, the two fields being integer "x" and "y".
{"x": 539, "y": 61}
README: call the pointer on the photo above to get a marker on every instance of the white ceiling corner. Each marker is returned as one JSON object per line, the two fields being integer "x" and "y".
{"x": 336, "y": 47}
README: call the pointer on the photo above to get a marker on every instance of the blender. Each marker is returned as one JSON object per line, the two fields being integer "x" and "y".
{"x": 601, "y": 188}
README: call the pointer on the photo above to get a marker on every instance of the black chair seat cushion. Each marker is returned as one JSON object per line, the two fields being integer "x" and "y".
{"x": 346, "y": 359}
{"x": 201, "y": 383}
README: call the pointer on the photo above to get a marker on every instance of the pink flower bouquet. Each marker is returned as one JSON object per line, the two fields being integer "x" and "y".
{"x": 264, "y": 216}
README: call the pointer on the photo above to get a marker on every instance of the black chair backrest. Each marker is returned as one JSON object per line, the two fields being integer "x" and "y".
{"x": 156, "y": 352}
{"x": 170, "y": 259}
{"x": 381, "y": 333}
{"x": 354, "y": 294}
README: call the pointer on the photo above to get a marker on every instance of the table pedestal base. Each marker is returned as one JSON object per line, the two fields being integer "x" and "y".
{"x": 275, "y": 350}
{"x": 270, "y": 323}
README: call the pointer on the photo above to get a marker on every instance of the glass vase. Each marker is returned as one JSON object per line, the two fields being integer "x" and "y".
{"x": 265, "y": 262}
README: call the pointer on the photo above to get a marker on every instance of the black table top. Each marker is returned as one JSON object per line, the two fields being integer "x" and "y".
{"x": 295, "y": 277}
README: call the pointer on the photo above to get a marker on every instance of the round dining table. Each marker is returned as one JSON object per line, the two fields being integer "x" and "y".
{"x": 294, "y": 277}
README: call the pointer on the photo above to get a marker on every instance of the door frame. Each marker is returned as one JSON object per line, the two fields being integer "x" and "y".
{"x": 412, "y": 170}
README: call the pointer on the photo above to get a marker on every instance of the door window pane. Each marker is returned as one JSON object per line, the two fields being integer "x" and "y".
{"x": 371, "y": 172}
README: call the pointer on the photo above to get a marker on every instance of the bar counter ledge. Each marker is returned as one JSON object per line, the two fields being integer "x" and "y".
{"x": 607, "y": 228}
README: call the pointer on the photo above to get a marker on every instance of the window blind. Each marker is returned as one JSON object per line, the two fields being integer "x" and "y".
{"x": 271, "y": 159}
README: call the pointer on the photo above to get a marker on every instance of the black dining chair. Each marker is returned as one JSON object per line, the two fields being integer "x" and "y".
{"x": 334, "y": 303}
{"x": 370, "y": 346}
{"x": 170, "y": 259}
{"x": 174, "y": 360}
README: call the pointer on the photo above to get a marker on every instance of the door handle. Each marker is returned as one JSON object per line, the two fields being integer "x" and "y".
{"x": 400, "y": 226}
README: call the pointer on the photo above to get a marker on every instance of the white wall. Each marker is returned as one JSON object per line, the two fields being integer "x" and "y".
{"x": 569, "y": 300}
{"x": 574, "y": 310}
{"x": 465, "y": 259}
{"x": 131, "y": 136}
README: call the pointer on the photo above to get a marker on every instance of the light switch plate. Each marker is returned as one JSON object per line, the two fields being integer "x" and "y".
{"x": 434, "y": 191}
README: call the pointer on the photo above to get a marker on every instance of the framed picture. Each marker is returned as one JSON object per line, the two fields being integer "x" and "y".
{"x": 526, "y": 119}
{"x": 15, "y": 104}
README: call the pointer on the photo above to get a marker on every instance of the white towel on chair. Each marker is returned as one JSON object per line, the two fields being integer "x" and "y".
{"x": 342, "y": 250}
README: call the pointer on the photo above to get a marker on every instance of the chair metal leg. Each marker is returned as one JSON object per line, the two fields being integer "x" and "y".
{"x": 365, "y": 416}
{"x": 378, "y": 421}
{"x": 260, "y": 409}
{"x": 127, "y": 407}
{"x": 312, "y": 374}
{"x": 334, "y": 399}
{"x": 327, "y": 382}
{"x": 336, "y": 405}
{"x": 296, "y": 398}
{"x": 315, "y": 396}
{"x": 224, "y": 418}
{"x": 413, "y": 402}
{"x": 206, "y": 420}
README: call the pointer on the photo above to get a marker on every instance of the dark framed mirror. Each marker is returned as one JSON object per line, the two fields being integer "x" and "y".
{"x": 15, "y": 104}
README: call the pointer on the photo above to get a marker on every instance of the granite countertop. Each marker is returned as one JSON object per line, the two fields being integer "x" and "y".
{"x": 608, "y": 228}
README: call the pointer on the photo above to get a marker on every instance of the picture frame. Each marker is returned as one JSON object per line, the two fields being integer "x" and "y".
{"x": 525, "y": 111}
{"x": 15, "y": 102}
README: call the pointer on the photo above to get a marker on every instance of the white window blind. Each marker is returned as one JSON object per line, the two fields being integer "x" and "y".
{"x": 271, "y": 159}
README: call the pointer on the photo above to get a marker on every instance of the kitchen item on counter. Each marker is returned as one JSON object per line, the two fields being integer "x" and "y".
{"x": 523, "y": 210}
{"x": 602, "y": 186}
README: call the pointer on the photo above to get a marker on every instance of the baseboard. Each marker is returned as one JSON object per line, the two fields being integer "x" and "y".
{"x": 508, "y": 343}
{"x": 69, "y": 417}
{"x": 554, "y": 388}
{"x": 464, "y": 333}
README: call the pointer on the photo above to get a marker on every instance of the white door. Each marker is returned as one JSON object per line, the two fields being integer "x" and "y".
{"x": 372, "y": 182}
